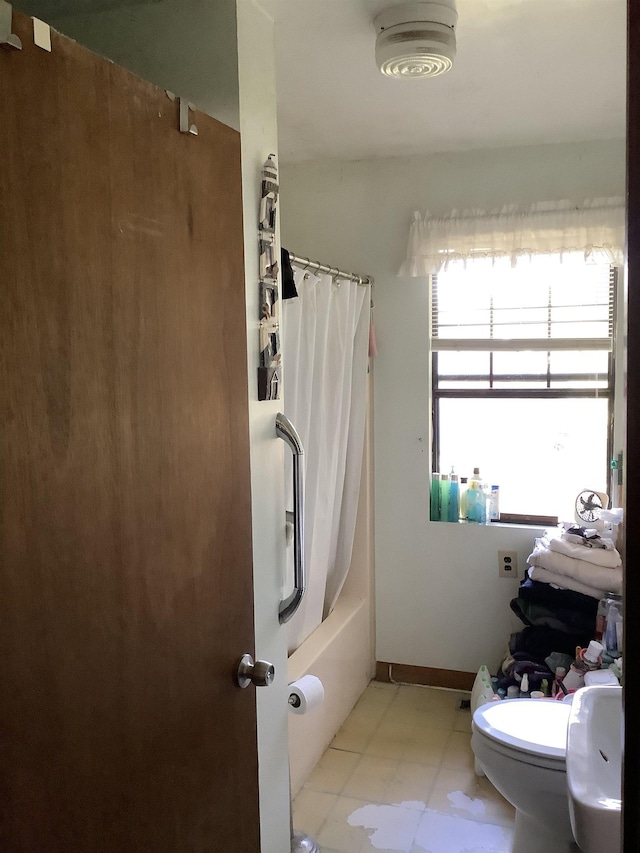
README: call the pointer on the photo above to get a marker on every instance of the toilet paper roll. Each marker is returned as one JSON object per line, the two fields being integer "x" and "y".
{"x": 305, "y": 694}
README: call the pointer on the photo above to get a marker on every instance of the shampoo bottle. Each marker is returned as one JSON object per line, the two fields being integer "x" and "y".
{"x": 434, "y": 504}
{"x": 475, "y": 498}
{"x": 444, "y": 497}
{"x": 481, "y": 498}
{"x": 454, "y": 498}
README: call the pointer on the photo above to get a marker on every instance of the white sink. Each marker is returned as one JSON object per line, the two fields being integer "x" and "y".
{"x": 594, "y": 768}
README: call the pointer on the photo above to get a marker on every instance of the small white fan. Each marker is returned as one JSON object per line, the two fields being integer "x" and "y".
{"x": 589, "y": 504}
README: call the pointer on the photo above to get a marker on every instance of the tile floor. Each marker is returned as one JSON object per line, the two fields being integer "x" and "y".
{"x": 398, "y": 778}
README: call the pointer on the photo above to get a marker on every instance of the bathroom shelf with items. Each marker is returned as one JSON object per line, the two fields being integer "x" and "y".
{"x": 572, "y": 639}
{"x": 570, "y": 603}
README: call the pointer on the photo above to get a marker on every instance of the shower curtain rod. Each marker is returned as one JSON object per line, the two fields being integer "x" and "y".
{"x": 306, "y": 264}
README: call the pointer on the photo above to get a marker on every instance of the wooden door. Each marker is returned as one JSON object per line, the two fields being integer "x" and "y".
{"x": 125, "y": 539}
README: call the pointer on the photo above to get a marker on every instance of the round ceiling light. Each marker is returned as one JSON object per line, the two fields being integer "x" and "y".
{"x": 416, "y": 40}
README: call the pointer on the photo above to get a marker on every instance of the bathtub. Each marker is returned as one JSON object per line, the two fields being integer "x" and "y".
{"x": 340, "y": 652}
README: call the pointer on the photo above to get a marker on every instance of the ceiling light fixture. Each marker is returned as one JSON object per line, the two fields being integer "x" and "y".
{"x": 416, "y": 40}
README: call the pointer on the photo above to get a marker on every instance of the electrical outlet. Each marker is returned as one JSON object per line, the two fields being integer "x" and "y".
{"x": 508, "y": 564}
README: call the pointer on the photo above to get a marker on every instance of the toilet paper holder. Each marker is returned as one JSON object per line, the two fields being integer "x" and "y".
{"x": 294, "y": 700}
{"x": 305, "y": 694}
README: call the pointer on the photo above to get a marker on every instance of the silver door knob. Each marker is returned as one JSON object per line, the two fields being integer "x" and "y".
{"x": 261, "y": 673}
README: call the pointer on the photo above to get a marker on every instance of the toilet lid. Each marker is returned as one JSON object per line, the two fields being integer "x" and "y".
{"x": 536, "y": 726}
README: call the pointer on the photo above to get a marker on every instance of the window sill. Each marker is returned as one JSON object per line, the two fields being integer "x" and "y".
{"x": 529, "y": 520}
{"x": 510, "y": 525}
{"x": 520, "y": 525}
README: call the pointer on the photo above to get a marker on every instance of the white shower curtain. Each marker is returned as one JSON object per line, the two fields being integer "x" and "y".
{"x": 325, "y": 335}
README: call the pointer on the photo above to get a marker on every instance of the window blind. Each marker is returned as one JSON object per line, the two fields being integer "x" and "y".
{"x": 545, "y": 329}
{"x": 542, "y": 307}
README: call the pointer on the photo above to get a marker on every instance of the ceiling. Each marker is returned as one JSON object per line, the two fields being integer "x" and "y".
{"x": 527, "y": 72}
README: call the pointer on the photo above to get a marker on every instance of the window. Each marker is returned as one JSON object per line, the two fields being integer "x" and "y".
{"x": 522, "y": 372}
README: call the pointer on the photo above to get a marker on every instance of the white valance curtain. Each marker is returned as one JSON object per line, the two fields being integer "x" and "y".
{"x": 595, "y": 228}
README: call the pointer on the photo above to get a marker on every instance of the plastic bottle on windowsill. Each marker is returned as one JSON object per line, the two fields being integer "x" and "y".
{"x": 444, "y": 497}
{"x": 494, "y": 505}
{"x": 476, "y": 501}
{"x": 464, "y": 487}
{"x": 454, "y": 498}
{"x": 481, "y": 505}
{"x": 434, "y": 496}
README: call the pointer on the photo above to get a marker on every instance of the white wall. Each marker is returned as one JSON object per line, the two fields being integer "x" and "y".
{"x": 186, "y": 46}
{"x": 256, "y": 61}
{"x": 439, "y": 602}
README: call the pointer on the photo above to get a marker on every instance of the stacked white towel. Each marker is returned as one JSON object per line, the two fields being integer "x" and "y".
{"x": 567, "y": 565}
{"x": 597, "y": 556}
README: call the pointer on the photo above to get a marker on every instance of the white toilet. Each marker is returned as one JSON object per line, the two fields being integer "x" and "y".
{"x": 521, "y": 746}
